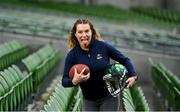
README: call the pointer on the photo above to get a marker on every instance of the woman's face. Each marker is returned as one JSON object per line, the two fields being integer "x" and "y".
{"x": 83, "y": 35}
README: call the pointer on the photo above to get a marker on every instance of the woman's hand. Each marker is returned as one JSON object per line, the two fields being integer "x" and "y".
{"x": 80, "y": 77}
{"x": 131, "y": 80}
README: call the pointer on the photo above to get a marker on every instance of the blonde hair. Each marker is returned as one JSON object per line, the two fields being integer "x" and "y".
{"x": 72, "y": 41}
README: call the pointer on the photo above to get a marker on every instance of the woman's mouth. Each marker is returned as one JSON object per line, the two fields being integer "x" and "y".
{"x": 84, "y": 42}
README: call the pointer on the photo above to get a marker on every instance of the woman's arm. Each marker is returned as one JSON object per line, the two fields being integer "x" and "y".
{"x": 121, "y": 58}
{"x": 69, "y": 62}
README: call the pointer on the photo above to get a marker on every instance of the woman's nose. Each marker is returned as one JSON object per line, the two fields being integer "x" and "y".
{"x": 83, "y": 34}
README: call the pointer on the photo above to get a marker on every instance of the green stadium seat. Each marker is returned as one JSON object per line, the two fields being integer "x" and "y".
{"x": 176, "y": 102}
{"x": 127, "y": 96}
{"x": 60, "y": 101}
{"x": 32, "y": 62}
{"x": 45, "y": 52}
{"x": 17, "y": 94}
{"x": 167, "y": 85}
{"x": 4, "y": 83}
{"x": 77, "y": 106}
{"x": 4, "y": 101}
{"x": 16, "y": 76}
{"x": 55, "y": 103}
{"x": 10, "y": 79}
{"x": 63, "y": 96}
{"x": 46, "y": 108}
{"x": 14, "y": 99}
{"x": 40, "y": 72}
{"x": 2, "y": 90}
{"x": 51, "y": 105}
{"x": 20, "y": 74}
{"x": 128, "y": 107}
{"x": 7, "y": 79}
{"x": 10, "y": 52}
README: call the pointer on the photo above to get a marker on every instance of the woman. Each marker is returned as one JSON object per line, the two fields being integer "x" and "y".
{"x": 87, "y": 48}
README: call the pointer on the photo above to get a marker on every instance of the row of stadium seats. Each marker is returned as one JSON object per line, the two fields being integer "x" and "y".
{"x": 134, "y": 99}
{"x": 31, "y": 27}
{"x": 35, "y": 59}
{"x": 175, "y": 80}
{"x": 144, "y": 41}
{"x": 17, "y": 86}
{"x": 166, "y": 44}
{"x": 168, "y": 84}
{"x": 48, "y": 64}
{"x": 40, "y": 62}
{"x": 11, "y": 78}
{"x": 64, "y": 99}
{"x": 171, "y": 16}
{"x": 11, "y": 52}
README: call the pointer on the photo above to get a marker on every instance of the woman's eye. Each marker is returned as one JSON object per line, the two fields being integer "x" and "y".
{"x": 79, "y": 31}
{"x": 87, "y": 31}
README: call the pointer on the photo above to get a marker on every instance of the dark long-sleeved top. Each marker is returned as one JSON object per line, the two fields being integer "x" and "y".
{"x": 97, "y": 59}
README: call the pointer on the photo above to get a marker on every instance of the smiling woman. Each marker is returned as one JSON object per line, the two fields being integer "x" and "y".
{"x": 87, "y": 48}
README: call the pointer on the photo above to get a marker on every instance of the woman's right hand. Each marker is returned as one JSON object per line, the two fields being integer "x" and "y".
{"x": 80, "y": 77}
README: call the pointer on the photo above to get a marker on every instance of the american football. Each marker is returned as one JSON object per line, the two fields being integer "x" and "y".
{"x": 79, "y": 68}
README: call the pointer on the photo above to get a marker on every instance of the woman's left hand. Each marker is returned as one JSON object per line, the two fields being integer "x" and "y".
{"x": 131, "y": 80}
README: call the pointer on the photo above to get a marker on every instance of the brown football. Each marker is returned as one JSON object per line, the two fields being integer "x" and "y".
{"x": 79, "y": 68}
